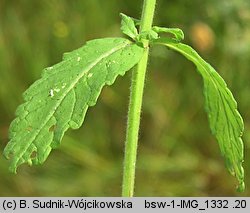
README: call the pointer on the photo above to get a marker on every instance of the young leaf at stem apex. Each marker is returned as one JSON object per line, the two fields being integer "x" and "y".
{"x": 128, "y": 26}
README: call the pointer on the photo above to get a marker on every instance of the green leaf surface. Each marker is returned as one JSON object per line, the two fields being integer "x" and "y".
{"x": 149, "y": 35}
{"x": 225, "y": 121}
{"x": 128, "y": 26}
{"x": 178, "y": 33}
{"x": 60, "y": 99}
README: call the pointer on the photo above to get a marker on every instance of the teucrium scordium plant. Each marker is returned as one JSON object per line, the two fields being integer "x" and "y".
{"x": 59, "y": 100}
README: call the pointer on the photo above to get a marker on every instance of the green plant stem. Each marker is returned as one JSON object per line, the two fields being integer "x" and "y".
{"x": 134, "y": 111}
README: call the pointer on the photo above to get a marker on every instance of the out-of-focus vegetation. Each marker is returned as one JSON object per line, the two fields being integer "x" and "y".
{"x": 177, "y": 154}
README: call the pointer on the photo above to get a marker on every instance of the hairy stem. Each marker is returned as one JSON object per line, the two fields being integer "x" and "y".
{"x": 134, "y": 111}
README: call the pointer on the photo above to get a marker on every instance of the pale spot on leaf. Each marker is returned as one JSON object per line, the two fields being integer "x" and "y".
{"x": 90, "y": 75}
{"x": 51, "y": 93}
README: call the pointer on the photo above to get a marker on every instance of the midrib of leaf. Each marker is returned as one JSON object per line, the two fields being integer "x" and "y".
{"x": 85, "y": 71}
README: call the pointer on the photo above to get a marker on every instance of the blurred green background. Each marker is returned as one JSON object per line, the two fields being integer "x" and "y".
{"x": 177, "y": 154}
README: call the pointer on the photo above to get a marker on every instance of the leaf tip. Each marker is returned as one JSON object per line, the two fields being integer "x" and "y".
{"x": 241, "y": 187}
{"x": 13, "y": 168}
{"x": 122, "y": 15}
{"x": 128, "y": 26}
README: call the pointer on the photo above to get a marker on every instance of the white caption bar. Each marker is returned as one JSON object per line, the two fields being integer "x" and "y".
{"x": 115, "y": 204}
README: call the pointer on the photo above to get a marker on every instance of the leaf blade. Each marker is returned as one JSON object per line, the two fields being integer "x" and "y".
{"x": 225, "y": 121}
{"x": 176, "y": 32}
{"x": 128, "y": 26}
{"x": 60, "y": 99}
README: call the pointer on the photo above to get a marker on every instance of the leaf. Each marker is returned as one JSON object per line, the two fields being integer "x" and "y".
{"x": 178, "y": 33}
{"x": 153, "y": 34}
{"x": 137, "y": 22}
{"x": 128, "y": 26}
{"x": 60, "y": 99}
{"x": 225, "y": 121}
{"x": 149, "y": 35}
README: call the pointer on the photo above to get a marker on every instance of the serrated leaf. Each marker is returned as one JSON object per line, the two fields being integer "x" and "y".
{"x": 60, "y": 99}
{"x": 225, "y": 121}
{"x": 128, "y": 26}
{"x": 178, "y": 33}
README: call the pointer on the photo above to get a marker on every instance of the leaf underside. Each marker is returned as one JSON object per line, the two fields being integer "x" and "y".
{"x": 59, "y": 100}
{"x": 225, "y": 121}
